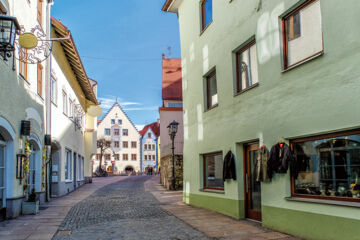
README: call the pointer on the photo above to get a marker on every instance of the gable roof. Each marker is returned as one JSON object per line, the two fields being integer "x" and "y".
{"x": 74, "y": 59}
{"x": 113, "y": 106}
{"x": 155, "y": 128}
{"x": 171, "y": 79}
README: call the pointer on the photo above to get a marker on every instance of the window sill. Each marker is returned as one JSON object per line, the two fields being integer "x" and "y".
{"x": 203, "y": 30}
{"x": 247, "y": 89}
{"x": 218, "y": 191}
{"x": 324, "y": 201}
{"x": 319, "y": 54}
{"x": 214, "y": 106}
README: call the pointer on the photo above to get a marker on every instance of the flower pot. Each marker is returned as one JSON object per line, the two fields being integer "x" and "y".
{"x": 30, "y": 208}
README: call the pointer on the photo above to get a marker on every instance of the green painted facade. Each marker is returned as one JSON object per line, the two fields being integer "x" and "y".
{"x": 317, "y": 97}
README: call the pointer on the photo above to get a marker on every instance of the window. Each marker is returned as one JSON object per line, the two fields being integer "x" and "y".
{"x": 117, "y": 157}
{"x": 39, "y": 10}
{"x": 23, "y": 67}
{"x": 53, "y": 90}
{"x": 98, "y": 156}
{"x": 246, "y": 67}
{"x": 107, "y": 157}
{"x": 149, "y": 135}
{"x": 112, "y": 121}
{"x": 116, "y": 132}
{"x": 40, "y": 79}
{"x": 206, "y": 13}
{"x": 153, "y": 147}
{"x": 327, "y": 167}
{"x": 68, "y": 165}
{"x": 125, "y": 132}
{"x": 125, "y": 144}
{"x": 65, "y": 104}
{"x": 211, "y": 91}
{"x": 133, "y": 144}
{"x": 145, "y": 146}
{"x": 175, "y": 105}
{"x": 145, "y": 157}
{"x": 71, "y": 108}
{"x": 213, "y": 171}
{"x": 302, "y": 34}
{"x": 108, "y": 144}
{"x": 153, "y": 157}
{"x": 133, "y": 157}
{"x": 107, "y": 131}
{"x": 116, "y": 143}
{"x": 125, "y": 157}
{"x": 119, "y": 121}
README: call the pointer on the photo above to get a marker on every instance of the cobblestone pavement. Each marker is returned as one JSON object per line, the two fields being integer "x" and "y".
{"x": 123, "y": 210}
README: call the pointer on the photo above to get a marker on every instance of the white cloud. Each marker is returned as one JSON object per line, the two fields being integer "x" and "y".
{"x": 108, "y": 101}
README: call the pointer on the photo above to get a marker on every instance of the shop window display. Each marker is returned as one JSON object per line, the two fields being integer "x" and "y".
{"x": 328, "y": 167}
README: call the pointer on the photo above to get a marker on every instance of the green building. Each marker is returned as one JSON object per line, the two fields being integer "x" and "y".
{"x": 273, "y": 74}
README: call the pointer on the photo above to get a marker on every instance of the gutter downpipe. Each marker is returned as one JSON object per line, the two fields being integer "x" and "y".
{"x": 48, "y": 99}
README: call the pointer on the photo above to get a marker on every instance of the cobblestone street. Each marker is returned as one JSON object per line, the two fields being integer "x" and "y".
{"x": 123, "y": 210}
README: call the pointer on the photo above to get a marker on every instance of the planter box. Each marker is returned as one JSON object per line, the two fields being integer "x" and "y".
{"x": 29, "y": 208}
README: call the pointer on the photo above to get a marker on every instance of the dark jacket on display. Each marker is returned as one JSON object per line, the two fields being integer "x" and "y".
{"x": 261, "y": 168}
{"x": 280, "y": 158}
{"x": 229, "y": 170}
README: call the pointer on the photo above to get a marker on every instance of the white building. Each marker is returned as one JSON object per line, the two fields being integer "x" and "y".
{"x": 72, "y": 93}
{"x": 123, "y": 141}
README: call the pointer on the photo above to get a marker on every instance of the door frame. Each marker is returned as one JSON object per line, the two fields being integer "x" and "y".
{"x": 251, "y": 214}
{"x": 3, "y": 203}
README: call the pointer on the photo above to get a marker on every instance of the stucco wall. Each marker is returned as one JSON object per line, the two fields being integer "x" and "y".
{"x": 316, "y": 97}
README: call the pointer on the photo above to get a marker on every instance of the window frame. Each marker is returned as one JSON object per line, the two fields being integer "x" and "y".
{"x": 125, "y": 157}
{"x": 207, "y": 77}
{"x": 313, "y": 138}
{"x": 133, "y": 157}
{"x": 107, "y": 130}
{"x": 125, "y": 131}
{"x": 238, "y": 87}
{"x": 285, "y": 40}
{"x": 116, "y": 144}
{"x": 204, "y": 156}
{"x": 69, "y": 163}
{"x": 125, "y": 144}
{"x": 133, "y": 144}
{"x": 53, "y": 90}
{"x": 65, "y": 103}
{"x": 203, "y": 15}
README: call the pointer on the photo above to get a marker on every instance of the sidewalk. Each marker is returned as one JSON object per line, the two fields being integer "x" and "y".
{"x": 210, "y": 223}
{"x": 46, "y": 223}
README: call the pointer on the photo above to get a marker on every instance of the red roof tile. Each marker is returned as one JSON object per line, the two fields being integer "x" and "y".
{"x": 172, "y": 79}
{"x": 155, "y": 127}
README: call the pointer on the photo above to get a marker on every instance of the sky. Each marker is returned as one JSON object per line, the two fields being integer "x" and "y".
{"x": 121, "y": 43}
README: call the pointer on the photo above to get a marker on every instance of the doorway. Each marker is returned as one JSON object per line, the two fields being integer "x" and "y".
{"x": 32, "y": 167}
{"x": 252, "y": 187}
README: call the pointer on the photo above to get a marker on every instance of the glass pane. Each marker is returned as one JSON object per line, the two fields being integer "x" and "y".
{"x": 213, "y": 97}
{"x": 214, "y": 171}
{"x": 2, "y": 157}
{"x": 208, "y": 12}
{"x": 255, "y": 203}
{"x": 329, "y": 167}
{"x": 254, "y": 65}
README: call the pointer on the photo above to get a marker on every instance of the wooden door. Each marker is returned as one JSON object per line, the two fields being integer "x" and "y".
{"x": 252, "y": 187}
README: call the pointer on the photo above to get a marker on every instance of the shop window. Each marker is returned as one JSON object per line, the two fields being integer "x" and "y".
{"x": 211, "y": 91}
{"x": 125, "y": 144}
{"x": 327, "y": 167}
{"x": 206, "y": 13}
{"x": 133, "y": 157}
{"x": 133, "y": 144}
{"x": 125, "y": 157}
{"x": 213, "y": 171}
{"x": 125, "y": 132}
{"x": 107, "y": 131}
{"x": 246, "y": 67}
{"x": 116, "y": 132}
{"x": 302, "y": 34}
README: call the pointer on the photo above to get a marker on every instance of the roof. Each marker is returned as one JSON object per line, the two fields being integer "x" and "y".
{"x": 167, "y": 5}
{"x": 74, "y": 59}
{"x": 171, "y": 79}
{"x": 155, "y": 128}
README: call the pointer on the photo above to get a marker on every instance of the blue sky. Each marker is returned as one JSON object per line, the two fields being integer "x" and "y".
{"x": 121, "y": 44}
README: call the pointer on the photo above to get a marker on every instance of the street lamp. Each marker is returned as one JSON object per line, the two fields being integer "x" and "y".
{"x": 9, "y": 26}
{"x": 173, "y": 127}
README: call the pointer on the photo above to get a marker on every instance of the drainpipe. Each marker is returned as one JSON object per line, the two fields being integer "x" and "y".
{"x": 48, "y": 97}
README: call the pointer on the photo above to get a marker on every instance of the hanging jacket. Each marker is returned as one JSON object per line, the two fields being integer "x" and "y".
{"x": 261, "y": 169}
{"x": 279, "y": 159}
{"x": 229, "y": 170}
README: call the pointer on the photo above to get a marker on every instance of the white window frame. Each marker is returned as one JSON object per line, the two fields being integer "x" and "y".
{"x": 69, "y": 163}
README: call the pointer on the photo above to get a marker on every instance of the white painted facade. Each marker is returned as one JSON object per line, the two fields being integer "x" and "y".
{"x": 117, "y": 120}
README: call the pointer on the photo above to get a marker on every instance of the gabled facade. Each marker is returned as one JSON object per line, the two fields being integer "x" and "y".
{"x": 74, "y": 129}
{"x": 261, "y": 74}
{"x": 123, "y": 139}
{"x": 149, "y": 147}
